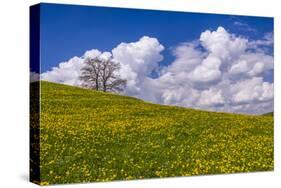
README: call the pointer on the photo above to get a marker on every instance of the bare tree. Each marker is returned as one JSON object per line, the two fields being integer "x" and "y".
{"x": 102, "y": 75}
{"x": 90, "y": 74}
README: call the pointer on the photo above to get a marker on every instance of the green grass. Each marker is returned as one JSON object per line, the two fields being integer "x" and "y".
{"x": 94, "y": 136}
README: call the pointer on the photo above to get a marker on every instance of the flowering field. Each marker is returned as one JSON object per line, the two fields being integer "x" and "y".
{"x": 95, "y": 136}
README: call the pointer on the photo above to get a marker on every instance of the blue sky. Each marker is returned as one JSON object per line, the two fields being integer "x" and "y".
{"x": 68, "y": 31}
{"x": 204, "y": 61}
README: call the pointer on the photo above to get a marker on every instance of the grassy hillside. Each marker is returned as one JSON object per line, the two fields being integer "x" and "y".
{"x": 269, "y": 114}
{"x": 93, "y": 136}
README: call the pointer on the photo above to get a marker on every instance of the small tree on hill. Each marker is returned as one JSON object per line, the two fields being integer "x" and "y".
{"x": 102, "y": 75}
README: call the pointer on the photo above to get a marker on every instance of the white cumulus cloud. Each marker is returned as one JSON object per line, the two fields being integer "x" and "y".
{"x": 68, "y": 72}
{"x": 138, "y": 60}
{"x": 227, "y": 75}
{"x": 220, "y": 71}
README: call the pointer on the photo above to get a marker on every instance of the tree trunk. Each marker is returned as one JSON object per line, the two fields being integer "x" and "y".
{"x": 104, "y": 87}
{"x": 97, "y": 84}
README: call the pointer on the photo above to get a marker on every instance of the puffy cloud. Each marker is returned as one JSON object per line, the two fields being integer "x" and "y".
{"x": 227, "y": 75}
{"x": 187, "y": 58}
{"x": 91, "y": 54}
{"x": 220, "y": 71}
{"x": 207, "y": 72}
{"x": 211, "y": 97}
{"x": 68, "y": 72}
{"x": 138, "y": 60}
{"x": 251, "y": 90}
{"x": 251, "y": 64}
{"x": 222, "y": 44}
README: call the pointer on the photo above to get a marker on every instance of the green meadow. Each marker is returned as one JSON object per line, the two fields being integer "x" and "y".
{"x": 88, "y": 135}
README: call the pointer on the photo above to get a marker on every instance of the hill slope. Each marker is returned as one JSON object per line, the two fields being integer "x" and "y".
{"x": 93, "y": 136}
{"x": 269, "y": 114}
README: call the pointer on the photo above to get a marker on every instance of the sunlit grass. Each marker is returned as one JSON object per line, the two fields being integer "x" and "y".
{"x": 92, "y": 136}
